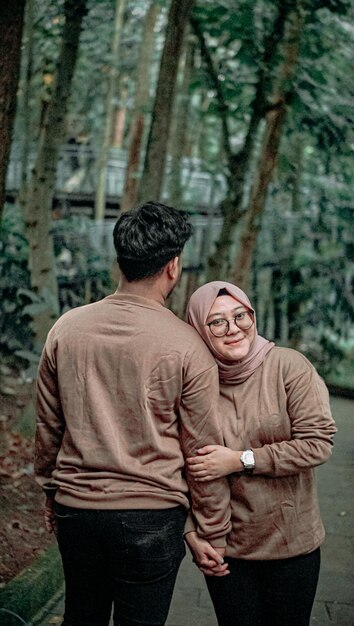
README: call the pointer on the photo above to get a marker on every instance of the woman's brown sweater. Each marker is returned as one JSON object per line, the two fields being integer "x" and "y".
{"x": 282, "y": 412}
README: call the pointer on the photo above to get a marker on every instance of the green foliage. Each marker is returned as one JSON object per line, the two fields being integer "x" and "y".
{"x": 90, "y": 80}
{"x": 15, "y": 331}
{"x": 83, "y": 277}
{"x": 83, "y": 268}
{"x": 307, "y": 229}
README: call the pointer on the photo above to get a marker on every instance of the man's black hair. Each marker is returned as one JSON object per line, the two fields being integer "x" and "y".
{"x": 148, "y": 237}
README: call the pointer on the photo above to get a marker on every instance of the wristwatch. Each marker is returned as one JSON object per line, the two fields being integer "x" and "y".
{"x": 247, "y": 460}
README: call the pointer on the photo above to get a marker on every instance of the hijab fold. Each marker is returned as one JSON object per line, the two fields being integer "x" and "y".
{"x": 230, "y": 373}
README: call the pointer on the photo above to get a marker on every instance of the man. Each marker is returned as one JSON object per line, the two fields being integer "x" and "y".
{"x": 126, "y": 390}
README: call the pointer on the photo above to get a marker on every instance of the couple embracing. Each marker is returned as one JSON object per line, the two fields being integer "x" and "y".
{"x": 152, "y": 432}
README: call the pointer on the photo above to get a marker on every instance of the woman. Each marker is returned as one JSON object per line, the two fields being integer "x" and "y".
{"x": 277, "y": 427}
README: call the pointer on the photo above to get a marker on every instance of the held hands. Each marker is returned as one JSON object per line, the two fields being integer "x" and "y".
{"x": 214, "y": 462}
{"x": 209, "y": 560}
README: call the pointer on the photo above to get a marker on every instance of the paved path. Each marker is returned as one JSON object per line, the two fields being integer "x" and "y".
{"x": 334, "y": 604}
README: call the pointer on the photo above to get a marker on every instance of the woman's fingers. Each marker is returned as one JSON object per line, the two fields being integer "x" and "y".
{"x": 214, "y": 569}
{"x": 207, "y": 449}
{"x": 217, "y": 462}
{"x": 196, "y": 460}
{"x": 201, "y": 455}
{"x": 201, "y": 469}
{"x": 198, "y": 469}
{"x": 209, "y": 572}
{"x": 203, "y": 475}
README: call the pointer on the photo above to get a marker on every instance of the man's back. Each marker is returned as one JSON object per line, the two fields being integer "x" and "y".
{"x": 125, "y": 392}
{"x": 122, "y": 366}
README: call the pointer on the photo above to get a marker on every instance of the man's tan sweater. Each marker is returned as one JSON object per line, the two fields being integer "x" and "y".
{"x": 126, "y": 390}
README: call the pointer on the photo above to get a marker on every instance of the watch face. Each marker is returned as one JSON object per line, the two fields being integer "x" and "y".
{"x": 247, "y": 459}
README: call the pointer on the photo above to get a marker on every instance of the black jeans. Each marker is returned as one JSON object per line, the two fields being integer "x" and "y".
{"x": 266, "y": 593}
{"x": 128, "y": 559}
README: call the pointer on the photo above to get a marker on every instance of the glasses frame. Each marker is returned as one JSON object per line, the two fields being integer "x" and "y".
{"x": 232, "y": 319}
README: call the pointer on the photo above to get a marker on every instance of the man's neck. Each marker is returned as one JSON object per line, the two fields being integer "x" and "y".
{"x": 144, "y": 288}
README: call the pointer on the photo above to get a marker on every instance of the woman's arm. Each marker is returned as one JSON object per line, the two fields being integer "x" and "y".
{"x": 312, "y": 425}
{"x": 312, "y": 431}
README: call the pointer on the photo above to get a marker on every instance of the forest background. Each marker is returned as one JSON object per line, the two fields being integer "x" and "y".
{"x": 237, "y": 111}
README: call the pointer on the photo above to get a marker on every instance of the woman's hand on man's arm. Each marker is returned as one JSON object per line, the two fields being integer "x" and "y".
{"x": 213, "y": 462}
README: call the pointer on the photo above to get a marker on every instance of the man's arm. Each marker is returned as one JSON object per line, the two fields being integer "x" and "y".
{"x": 50, "y": 424}
{"x": 200, "y": 426}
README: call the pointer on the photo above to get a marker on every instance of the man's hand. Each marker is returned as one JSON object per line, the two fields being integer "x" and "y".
{"x": 209, "y": 560}
{"x": 214, "y": 462}
{"x": 49, "y": 517}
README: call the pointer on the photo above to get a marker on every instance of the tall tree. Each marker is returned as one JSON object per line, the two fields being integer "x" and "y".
{"x": 100, "y": 199}
{"x": 238, "y": 163}
{"x": 42, "y": 184}
{"x": 140, "y": 103}
{"x": 280, "y": 103}
{"x": 156, "y": 151}
{"x": 11, "y": 25}
{"x": 179, "y": 130}
{"x": 26, "y": 97}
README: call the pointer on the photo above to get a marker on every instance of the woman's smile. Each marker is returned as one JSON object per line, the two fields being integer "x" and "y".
{"x": 236, "y": 343}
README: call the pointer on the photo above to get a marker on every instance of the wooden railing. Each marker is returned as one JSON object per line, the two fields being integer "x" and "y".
{"x": 77, "y": 176}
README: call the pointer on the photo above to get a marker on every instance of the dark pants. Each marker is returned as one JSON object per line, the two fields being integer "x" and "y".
{"x": 266, "y": 593}
{"x": 128, "y": 559}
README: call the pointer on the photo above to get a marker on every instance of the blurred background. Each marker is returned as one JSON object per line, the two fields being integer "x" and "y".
{"x": 237, "y": 111}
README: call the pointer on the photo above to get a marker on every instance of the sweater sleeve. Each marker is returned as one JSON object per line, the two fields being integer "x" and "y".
{"x": 50, "y": 423}
{"x": 199, "y": 426}
{"x": 312, "y": 425}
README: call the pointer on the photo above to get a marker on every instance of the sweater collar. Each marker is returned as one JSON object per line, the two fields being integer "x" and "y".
{"x": 119, "y": 297}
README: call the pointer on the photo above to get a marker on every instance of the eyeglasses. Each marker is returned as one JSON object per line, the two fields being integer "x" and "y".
{"x": 220, "y": 327}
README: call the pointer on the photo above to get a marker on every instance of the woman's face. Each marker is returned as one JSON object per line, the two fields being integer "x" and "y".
{"x": 236, "y": 344}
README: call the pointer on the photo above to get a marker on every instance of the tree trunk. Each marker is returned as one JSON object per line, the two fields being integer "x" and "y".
{"x": 179, "y": 134}
{"x": 270, "y": 147}
{"x": 294, "y": 309}
{"x": 25, "y": 106}
{"x": 11, "y": 24}
{"x": 156, "y": 151}
{"x": 100, "y": 199}
{"x": 292, "y": 276}
{"x": 119, "y": 117}
{"x": 239, "y": 163}
{"x": 141, "y": 100}
{"x": 42, "y": 184}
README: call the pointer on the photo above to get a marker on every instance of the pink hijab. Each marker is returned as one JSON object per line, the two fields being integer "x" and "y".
{"x": 197, "y": 312}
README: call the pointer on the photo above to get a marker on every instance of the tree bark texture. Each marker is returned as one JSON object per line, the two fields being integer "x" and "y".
{"x": 24, "y": 104}
{"x": 141, "y": 100}
{"x": 100, "y": 198}
{"x": 42, "y": 183}
{"x": 270, "y": 146}
{"x": 119, "y": 120}
{"x": 11, "y": 25}
{"x": 156, "y": 152}
{"x": 179, "y": 134}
